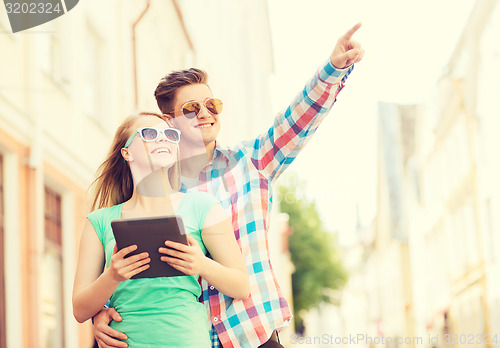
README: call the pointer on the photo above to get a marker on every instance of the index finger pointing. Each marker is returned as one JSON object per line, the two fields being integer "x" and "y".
{"x": 350, "y": 32}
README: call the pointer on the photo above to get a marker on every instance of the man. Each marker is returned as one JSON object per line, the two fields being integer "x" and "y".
{"x": 241, "y": 178}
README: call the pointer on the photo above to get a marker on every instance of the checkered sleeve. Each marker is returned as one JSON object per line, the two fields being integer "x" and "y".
{"x": 273, "y": 151}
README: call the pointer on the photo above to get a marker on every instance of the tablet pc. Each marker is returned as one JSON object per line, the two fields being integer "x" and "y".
{"x": 149, "y": 234}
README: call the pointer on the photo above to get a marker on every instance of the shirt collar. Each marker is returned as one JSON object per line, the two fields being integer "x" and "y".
{"x": 220, "y": 149}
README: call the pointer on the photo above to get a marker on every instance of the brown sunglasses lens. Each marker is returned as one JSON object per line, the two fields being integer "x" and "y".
{"x": 214, "y": 105}
{"x": 191, "y": 110}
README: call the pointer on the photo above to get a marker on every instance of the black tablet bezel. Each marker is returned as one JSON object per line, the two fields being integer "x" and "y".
{"x": 149, "y": 234}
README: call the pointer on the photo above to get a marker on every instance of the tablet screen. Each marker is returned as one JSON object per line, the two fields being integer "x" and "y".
{"x": 149, "y": 234}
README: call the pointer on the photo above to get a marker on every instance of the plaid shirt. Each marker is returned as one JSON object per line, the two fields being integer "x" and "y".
{"x": 240, "y": 178}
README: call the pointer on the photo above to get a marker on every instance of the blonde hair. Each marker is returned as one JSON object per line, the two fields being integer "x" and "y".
{"x": 114, "y": 184}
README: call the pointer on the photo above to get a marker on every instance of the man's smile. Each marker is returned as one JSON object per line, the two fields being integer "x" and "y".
{"x": 205, "y": 125}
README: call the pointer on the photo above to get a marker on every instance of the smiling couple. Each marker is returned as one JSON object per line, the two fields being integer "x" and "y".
{"x": 224, "y": 197}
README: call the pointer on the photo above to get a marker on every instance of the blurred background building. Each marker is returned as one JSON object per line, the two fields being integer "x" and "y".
{"x": 65, "y": 87}
{"x": 427, "y": 264}
{"x": 436, "y": 231}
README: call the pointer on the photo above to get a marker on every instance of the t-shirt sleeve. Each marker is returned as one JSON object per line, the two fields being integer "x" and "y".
{"x": 96, "y": 219}
{"x": 204, "y": 202}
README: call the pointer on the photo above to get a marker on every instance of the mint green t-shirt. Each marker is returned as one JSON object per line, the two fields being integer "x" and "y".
{"x": 160, "y": 312}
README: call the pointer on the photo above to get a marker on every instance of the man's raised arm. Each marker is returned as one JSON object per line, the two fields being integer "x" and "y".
{"x": 273, "y": 151}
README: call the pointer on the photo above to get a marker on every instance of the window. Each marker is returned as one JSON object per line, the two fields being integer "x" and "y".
{"x": 44, "y": 59}
{"x": 4, "y": 24}
{"x": 52, "y": 59}
{"x": 52, "y": 286}
{"x": 92, "y": 72}
{"x": 3, "y": 333}
{"x": 491, "y": 241}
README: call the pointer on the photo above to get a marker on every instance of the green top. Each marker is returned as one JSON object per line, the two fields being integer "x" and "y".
{"x": 160, "y": 312}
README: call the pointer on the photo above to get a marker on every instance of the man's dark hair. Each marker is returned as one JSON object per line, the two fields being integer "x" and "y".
{"x": 167, "y": 88}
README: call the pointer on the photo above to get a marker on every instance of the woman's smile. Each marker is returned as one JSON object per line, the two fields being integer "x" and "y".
{"x": 162, "y": 149}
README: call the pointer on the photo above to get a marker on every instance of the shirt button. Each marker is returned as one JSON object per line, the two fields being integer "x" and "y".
{"x": 211, "y": 287}
{"x": 215, "y": 319}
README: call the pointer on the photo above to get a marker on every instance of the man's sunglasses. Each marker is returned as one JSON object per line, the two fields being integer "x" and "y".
{"x": 192, "y": 109}
{"x": 150, "y": 134}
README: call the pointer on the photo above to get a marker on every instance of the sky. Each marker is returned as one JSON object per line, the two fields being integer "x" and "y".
{"x": 407, "y": 44}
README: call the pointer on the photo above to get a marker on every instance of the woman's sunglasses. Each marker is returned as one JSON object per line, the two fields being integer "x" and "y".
{"x": 150, "y": 134}
{"x": 192, "y": 109}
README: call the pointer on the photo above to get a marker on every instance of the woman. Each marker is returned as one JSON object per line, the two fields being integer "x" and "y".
{"x": 133, "y": 182}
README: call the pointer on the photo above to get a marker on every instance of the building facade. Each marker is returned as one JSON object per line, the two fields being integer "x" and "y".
{"x": 436, "y": 230}
{"x": 458, "y": 286}
{"x": 65, "y": 87}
